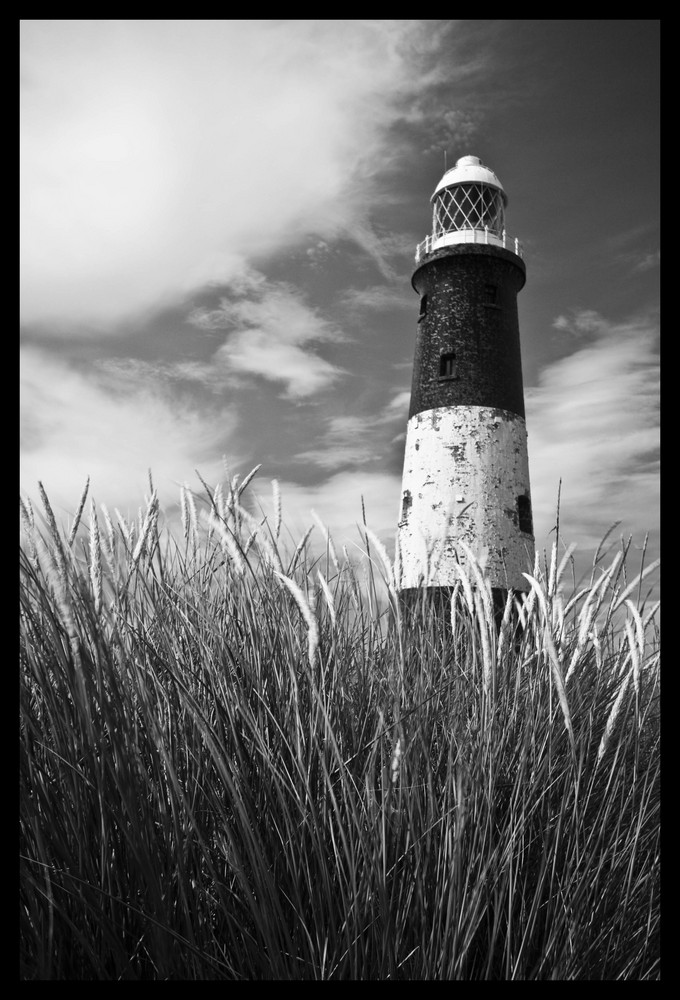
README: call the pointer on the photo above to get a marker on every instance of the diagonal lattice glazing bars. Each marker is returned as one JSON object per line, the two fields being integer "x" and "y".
{"x": 468, "y": 206}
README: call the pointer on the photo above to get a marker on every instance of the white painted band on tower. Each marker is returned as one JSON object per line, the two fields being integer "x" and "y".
{"x": 466, "y": 478}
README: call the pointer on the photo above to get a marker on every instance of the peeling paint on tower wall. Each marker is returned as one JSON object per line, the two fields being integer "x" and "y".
{"x": 466, "y": 478}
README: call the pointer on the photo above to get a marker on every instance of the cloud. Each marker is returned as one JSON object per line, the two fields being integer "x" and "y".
{"x": 112, "y": 427}
{"x": 379, "y": 298}
{"x": 455, "y": 128}
{"x": 347, "y": 440}
{"x": 593, "y": 422}
{"x": 158, "y": 156}
{"x": 271, "y": 333}
{"x": 398, "y": 406}
{"x": 359, "y": 439}
{"x": 647, "y": 262}
{"x": 337, "y": 502}
{"x": 635, "y": 249}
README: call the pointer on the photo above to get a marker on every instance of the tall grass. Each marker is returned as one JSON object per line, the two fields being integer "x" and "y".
{"x": 239, "y": 761}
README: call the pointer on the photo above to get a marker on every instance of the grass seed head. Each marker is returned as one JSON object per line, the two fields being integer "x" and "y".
{"x": 95, "y": 558}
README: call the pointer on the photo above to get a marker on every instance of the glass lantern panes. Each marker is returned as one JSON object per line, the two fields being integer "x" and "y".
{"x": 468, "y": 206}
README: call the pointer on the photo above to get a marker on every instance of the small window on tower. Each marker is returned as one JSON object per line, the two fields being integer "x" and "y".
{"x": 423, "y": 309}
{"x": 447, "y": 365}
{"x": 524, "y": 514}
{"x": 490, "y": 292}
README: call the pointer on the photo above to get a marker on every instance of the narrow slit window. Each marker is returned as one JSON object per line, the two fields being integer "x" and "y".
{"x": 524, "y": 514}
{"x": 423, "y": 308}
{"x": 490, "y": 293}
{"x": 447, "y": 365}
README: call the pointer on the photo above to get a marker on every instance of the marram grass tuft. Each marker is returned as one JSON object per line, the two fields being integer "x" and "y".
{"x": 240, "y": 763}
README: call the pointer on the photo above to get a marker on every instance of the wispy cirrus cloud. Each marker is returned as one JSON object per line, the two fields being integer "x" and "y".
{"x": 271, "y": 333}
{"x": 113, "y": 426}
{"x": 593, "y": 423}
{"x": 357, "y": 439}
{"x": 636, "y": 249}
{"x": 646, "y": 261}
{"x": 379, "y": 298}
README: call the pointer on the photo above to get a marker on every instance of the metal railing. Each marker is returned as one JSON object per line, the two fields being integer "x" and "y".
{"x": 483, "y": 236}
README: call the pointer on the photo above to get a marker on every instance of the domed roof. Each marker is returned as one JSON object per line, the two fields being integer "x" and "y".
{"x": 469, "y": 170}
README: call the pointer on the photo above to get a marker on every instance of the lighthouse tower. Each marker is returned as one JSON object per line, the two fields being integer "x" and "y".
{"x": 466, "y": 469}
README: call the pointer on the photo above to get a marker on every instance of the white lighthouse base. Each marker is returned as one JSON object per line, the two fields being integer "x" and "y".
{"x": 464, "y": 469}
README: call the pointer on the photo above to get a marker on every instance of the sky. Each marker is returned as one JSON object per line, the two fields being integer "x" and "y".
{"x": 218, "y": 227}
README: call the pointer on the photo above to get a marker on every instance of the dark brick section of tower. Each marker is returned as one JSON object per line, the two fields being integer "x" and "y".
{"x": 467, "y": 347}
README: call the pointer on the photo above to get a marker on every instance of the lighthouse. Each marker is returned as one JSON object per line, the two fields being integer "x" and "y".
{"x": 466, "y": 470}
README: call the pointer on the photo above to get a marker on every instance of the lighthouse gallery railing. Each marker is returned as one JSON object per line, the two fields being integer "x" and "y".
{"x": 432, "y": 243}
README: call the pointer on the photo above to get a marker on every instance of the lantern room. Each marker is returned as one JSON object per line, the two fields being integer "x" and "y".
{"x": 468, "y": 206}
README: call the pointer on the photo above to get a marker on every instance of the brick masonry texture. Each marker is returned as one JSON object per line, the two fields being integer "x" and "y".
{"x": 471, "y": 312}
